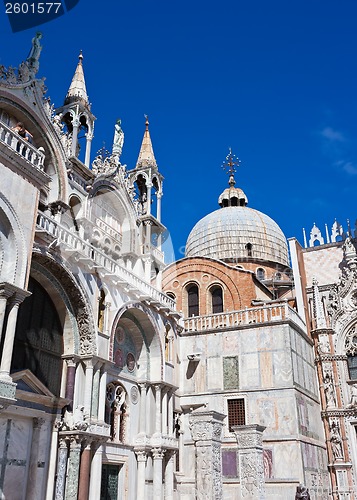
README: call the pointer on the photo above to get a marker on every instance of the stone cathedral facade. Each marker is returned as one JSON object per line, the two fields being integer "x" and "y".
{"x": 227, "y": 374}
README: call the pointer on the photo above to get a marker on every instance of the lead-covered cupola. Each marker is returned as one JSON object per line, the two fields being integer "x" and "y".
{"x": 235, "y": 233}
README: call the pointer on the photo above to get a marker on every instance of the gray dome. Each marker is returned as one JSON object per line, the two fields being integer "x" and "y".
{"x": 225, "y": 234}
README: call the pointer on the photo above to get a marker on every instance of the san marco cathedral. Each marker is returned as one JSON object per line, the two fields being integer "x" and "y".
{"x": 231, "y": 373}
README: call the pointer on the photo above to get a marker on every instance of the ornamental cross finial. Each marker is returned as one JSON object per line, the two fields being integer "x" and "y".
{"x": 230, "y": 165}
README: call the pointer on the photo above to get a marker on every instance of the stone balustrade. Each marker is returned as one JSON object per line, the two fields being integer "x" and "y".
{"x": 22, "y": 147}
{"x": 249, "y": 316}
{"x": 72, "y": 243}
{"x": 106, "y": 228}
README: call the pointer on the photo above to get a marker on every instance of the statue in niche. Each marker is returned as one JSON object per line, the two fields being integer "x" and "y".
{"x": 118, "y": 139}
{"x": 353, "y": 402}
{"x": 323, "y": 346}
{"x": 336, "y": 441}
{"x": 329, "y": 391}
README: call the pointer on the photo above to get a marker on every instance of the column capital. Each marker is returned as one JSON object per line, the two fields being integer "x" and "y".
{"x": 158, "y": 453}
{"x": 71, "y": 360}
{"x": 7, "y": 289}
{"x": 157, "y": 387}
{"x": 37, "y": 422}
{"x": 141, "y": 455}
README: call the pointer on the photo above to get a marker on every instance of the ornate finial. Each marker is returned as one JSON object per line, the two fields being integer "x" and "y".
{"x": 80, "y": 57}
{"x": 146, "y": 122}
{"x": 230, "y": 164}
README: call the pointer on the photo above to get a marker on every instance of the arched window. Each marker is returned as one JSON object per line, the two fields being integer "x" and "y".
{"x": 38, "y": 344}
{"x": 217, "y": 299}
{"x": 171, "y": 295}
{"x": 249, "y": 248}
{"x": 193, "y": 300}
{"x": 278, "y": 276}
{"x": 260, "y": 274}
{"x": 116, "y": 411}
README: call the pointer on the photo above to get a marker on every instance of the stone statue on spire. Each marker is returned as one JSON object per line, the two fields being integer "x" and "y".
{"x": 34, "y": 55}
{"x": 118, "y": 141}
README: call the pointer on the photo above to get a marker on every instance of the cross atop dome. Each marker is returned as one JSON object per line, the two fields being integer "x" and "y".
{"x": 230, "y": 164}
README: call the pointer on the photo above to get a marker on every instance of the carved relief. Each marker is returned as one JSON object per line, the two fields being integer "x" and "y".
{"x": 351, "y": 342}
{"x": 336, "y": 441}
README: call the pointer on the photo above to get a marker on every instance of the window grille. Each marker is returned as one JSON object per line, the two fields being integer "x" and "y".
{"x": 236, "y": 413}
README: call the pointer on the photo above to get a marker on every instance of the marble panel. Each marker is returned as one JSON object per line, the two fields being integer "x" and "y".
{"x": 282, "y": 368}
{"x": 250, "y": 372}
{"x": 214, "y": 373}
{"x": 229, "y": 463}
{"x": 287, "y": 461}
{"x": 248, "y": 341}
{"x": 19, "y": 439}
{"x": 230, "y": 343}
{"x": 266, "y": 369}
{"x": 15, "y": 478}
{"x": 268, "y": 415}
{"x": 230, "y": 373}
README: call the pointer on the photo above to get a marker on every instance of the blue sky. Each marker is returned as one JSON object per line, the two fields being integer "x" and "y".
{"x": 276, "y": 81}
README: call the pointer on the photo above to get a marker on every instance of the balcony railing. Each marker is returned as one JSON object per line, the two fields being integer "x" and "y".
{"x": 249, "y": 316}
{"x": 71, "y": 242}
{"x": 24, "y": 148}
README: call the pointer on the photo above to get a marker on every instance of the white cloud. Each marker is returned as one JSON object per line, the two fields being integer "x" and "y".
{"x": 332, "y": 135}
{"x": 349, "y": 167}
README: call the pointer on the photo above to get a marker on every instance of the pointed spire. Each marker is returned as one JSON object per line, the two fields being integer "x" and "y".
{"x": 77, "y": 89}
{"x": 146, "y": 156}
{"x": 320, "y": 319}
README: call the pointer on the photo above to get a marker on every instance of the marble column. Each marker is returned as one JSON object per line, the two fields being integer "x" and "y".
{"x": 95, "y": 392}
{"x": 52, "y": 463}
{"x": 89, "y": 137}
{"x": 140, "y": 485}
{"x": 102, "y": 394}
{"x": 169, "y": 476}
{"x": 61, "y": 469}
{"x": 32, "y": 482}
{"x": 88, "y": 386}
{"x": 76, "y": 124}
{"x": 206, "y": 431}
{"x": 251, "y": 464}
{"x": 70, "y": 380}
{"x": 158, "y": 456}
{"x": 164, "y": 414}
{"x": 96, "y": 474}
{"x": 84, "y": 473}
{"x": 73, "y": 469}
{"x": 14, "y": 303}
{"x": 6, "y": 290}
{"x": 143, "y": 416}
{"x": 157, "y": 408}
{"x": 170, "y": 413}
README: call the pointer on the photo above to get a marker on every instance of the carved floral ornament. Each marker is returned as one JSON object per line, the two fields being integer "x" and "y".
{"x": 351, "y": 342}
